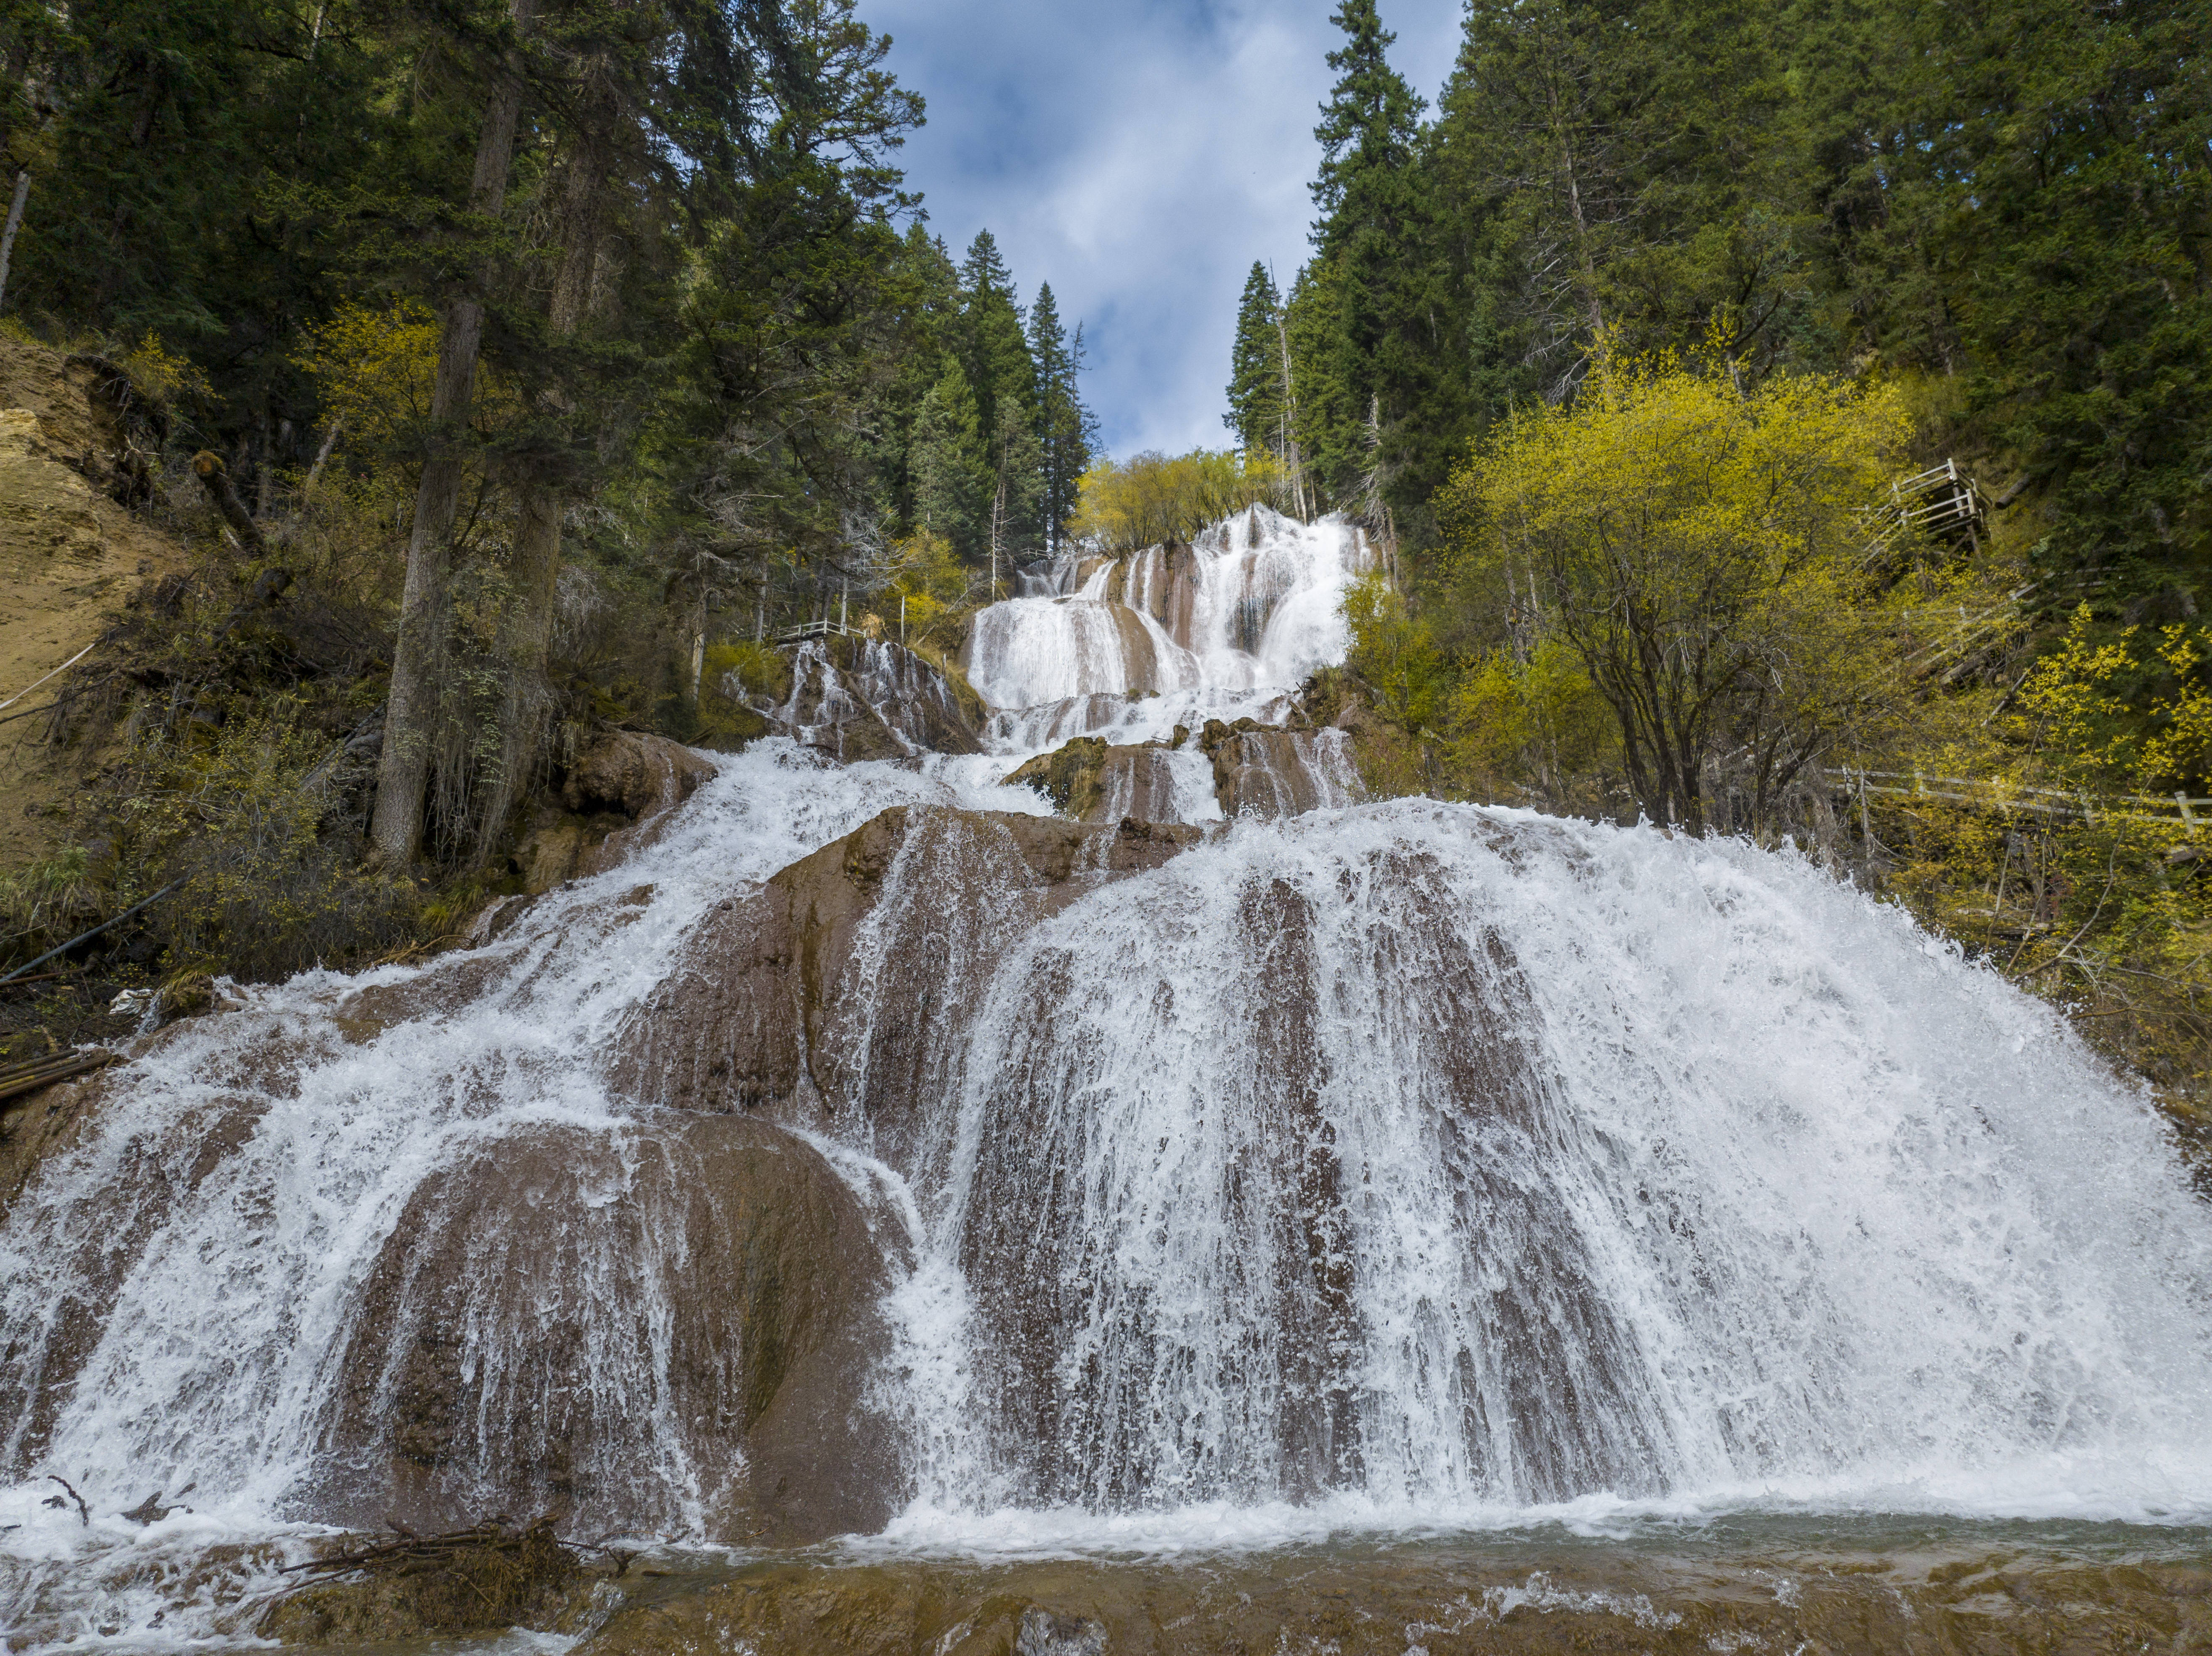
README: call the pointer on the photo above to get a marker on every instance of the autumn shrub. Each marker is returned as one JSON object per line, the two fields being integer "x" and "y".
{"x": 1153, "y": 498}
{"x": 246, "y": 819}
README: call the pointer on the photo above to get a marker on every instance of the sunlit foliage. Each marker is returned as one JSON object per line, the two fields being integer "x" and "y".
{"x": 1151, "y": 498}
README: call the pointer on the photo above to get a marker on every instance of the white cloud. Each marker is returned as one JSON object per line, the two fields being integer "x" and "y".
{"x": 1138, "y": 157}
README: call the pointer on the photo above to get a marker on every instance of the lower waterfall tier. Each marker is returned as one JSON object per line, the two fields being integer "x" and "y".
{"x": 958, "y": 1169}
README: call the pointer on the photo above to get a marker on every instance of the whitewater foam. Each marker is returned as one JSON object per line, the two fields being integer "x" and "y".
{"x": 1402, "y": 1169}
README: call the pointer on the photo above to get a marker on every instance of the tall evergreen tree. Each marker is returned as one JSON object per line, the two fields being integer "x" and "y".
{"x": 1376, "y": 365}
{"x": 1257, "y": 406}
{"x": 992, "y": 348}
{"x": 926, "y": 304}
{"x": 1065, "y": 427}
{"x": 1367, "y": 131}
{"x": 955, "y": 481}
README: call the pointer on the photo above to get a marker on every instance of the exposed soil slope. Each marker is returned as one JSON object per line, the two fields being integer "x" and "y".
{"x": 69, "y": 553}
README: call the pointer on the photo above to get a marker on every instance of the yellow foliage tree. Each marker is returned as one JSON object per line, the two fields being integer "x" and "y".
{"x": 1533, "y": 714}
{"x": 1700, "y": 550}
{"x": 374, "y": 368}
{"x": 927, "y": 588}
{"x": 1153, "y": 498}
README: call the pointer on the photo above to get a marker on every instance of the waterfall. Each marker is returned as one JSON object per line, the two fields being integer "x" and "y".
{"x": 1224, "y": 627}
{"x": 1415, "y": 1160}
{"x": 872, "y": 1151}
{"x": 1439, "y": 1161}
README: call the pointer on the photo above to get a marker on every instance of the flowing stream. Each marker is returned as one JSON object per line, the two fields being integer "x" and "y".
{"x": 1399, "y": 1167}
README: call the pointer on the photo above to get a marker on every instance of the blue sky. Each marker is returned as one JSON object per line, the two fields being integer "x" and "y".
{"x": 1138, "y": 154}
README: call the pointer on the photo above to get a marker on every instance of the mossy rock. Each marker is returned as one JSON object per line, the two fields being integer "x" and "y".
{"x": 1071, "y": 776}
{"x": 531, "y": 1582}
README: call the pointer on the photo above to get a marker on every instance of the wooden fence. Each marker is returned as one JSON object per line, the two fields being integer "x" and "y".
{"x": 2179, "y": 809}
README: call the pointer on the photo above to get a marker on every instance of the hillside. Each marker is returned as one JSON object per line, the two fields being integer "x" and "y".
{"x": 69, "y": 556}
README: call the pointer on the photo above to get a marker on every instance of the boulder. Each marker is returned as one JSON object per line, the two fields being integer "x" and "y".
{"x": 616, "y": 793}
{"x": 734, "y": 1401}
{"x": 635, "y": 774}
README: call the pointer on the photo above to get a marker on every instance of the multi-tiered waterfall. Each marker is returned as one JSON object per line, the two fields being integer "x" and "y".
{"x": 1227, "y": 625}
{"x": 873, "y": 1151}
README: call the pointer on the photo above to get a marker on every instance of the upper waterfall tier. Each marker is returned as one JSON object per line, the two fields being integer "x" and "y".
{"x": 1236, "y": 618}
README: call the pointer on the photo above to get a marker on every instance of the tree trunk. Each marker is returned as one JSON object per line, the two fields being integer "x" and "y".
{"x": 222, "y": 495}
{"x": 537, "y": 561}
{"x": 396, "y": 831}
{"x": 15, "y": 223}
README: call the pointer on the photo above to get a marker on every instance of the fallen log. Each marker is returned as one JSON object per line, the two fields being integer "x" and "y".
{"x": 16, "y": 1079}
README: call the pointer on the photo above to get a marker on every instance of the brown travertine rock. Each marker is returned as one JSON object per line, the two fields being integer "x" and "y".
{"x": 471, "y": 1389}
{"x": 764, "y": 1007}
{"x": 528, "y": 1580}
{"x": 616, "y": 793}
{"x": 37, "y": 1125}
{"x": 552, "y": 853}
{"x": 1264, "y": 772}
{"x": 1094, "y": 782}
{"x": 1444, "y": 1599}
{"x": 858, "y": 697}
{"x": 637, "y": 775}
{"x": 108, "y": 1228}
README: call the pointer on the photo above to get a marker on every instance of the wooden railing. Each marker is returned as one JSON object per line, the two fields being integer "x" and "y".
{"x": 1940, "y": 498}
{"x": 2177, "y": 809}
{"x": 814, "y": 629}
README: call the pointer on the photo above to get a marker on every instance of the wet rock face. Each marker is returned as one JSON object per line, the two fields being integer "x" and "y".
{"x": 107, "y": 1231}
{"x": 858, "y": 697}
{"x": 1258, "y": 770}
{"x": 844, "y": 988}
{"x": 1261, "y": 770}
{"x": 1070, "y": 776}
{"x": 494, "y": 1580}
{"x": 1446, "y": 1602}
{"x": 1094, "y": 781}
{"x": 734, "y": 1402}
{"x": 1107, "y": 1188}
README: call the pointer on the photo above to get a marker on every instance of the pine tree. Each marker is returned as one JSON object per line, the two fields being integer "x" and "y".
{"x": 954, "y": 481}
{"x": 1256, "y": 404}
{"x": 992, "y": 348}
{"x": 925, "y": 284}
{"x": 1367, "y": 131}
{"x": 1005, "y": 384}
{"x": 1066, "y": 429}
{"x": 1376, "y": 364}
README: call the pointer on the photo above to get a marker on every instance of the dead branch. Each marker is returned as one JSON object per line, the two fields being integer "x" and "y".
{"x": 84, "y": 1512}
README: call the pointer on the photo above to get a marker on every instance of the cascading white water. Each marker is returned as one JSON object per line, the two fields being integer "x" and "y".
{"x": 206, "y": 1251}
{"x": 1402, "y": 1164}
{"x": 1422, "y": 1165}
{"x": 1223, "y": 628}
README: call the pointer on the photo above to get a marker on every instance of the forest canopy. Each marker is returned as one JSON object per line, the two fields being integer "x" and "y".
{"x": 1790, "y": 421}
{"x": 535, "y": 340}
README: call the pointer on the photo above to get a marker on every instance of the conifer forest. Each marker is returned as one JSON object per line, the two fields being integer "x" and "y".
{"x": 696, "y": 954}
